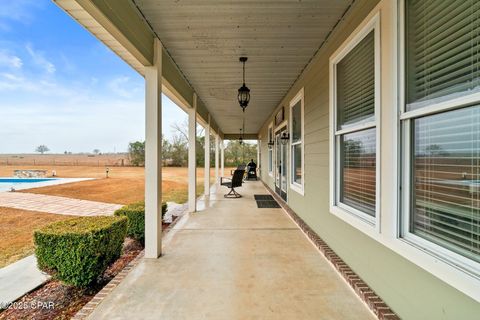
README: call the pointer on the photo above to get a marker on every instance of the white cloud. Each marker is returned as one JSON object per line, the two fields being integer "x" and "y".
{"x": 40, "y": 60}
{"x": 73, "y": 126}
{"x": 10, "y": 61}
{"x": 18, "y": 10}
{"x": 123, "y": 87}
{"x": 38, "y": 86}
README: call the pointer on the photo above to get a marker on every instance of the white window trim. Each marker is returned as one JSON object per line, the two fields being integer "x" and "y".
{"x": 356, "y": 218}
{"x": 270, "y": 154}
{"x": 391, "y": 97}
{"x": 282, "y": 125}
{"x": 295, "y": 186}
{"x": 406, "y": 118}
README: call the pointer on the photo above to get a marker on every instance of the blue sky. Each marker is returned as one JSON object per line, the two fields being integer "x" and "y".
{"x": 61, "y": 87}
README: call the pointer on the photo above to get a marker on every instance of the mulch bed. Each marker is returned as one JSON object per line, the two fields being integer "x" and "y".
{"x": 68, "y": 300}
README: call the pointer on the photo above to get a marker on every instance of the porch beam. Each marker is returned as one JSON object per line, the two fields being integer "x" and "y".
{"x": 207, "y": 159}
{"x": 192, "y": 156}
{"x": 153, "y": 155}
{"x": 117, "y": 25}
{"x": 235, "y": 136}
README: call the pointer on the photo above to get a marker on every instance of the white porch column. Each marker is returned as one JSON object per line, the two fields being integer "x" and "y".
{"x": 222, "y": 159}
{"x": 217, "y": 142}
{"x": 258, "y": 153}
{"x": 192, "y": 156}
{"x": 153, "y": 155}
{"x": 207, "y": 159}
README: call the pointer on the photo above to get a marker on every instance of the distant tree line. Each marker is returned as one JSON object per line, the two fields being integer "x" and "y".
{"x": 175, "y": 150}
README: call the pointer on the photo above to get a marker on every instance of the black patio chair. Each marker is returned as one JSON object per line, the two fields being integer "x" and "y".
{"x": 234, "y": 182}
{"x": 239, "y": 167}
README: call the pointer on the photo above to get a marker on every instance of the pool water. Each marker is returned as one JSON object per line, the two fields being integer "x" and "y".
{"x": 25, "y": 180}
{"x": 6, "y": 184}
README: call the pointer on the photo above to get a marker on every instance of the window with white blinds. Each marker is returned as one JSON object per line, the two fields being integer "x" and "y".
{"x": 358, "y": 170}
{"x": 446, "y": 175}
{"x": 442, "y": 180}
{"x": 356, "y": 84}
{"x": 296, "y": 142}
{"x": 442, "y": 48}
{"x": 355, "y": 122}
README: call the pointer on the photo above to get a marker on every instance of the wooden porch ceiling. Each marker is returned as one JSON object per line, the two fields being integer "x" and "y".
{"x": 206, "y": 38}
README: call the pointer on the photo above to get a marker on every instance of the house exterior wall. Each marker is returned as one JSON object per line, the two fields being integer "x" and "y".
{"x": 411, "y": 291}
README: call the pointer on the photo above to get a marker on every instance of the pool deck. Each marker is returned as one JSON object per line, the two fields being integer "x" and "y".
{"x": 56, "y": 205}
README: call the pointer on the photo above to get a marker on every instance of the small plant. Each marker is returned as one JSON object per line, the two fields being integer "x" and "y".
{"x": 135, "y": 213}
{"x": 77, "y": 251}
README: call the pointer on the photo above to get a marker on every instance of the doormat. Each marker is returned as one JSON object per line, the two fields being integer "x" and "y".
{"x": 263, "y": 197}
{"x": 267, "y": 204}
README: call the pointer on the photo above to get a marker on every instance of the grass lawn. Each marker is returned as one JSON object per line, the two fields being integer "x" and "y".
{"x": 16, "y": 232}
{"x": 124, "y": 185}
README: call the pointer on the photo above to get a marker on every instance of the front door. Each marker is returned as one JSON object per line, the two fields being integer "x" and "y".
{"x": 281, "y": 165}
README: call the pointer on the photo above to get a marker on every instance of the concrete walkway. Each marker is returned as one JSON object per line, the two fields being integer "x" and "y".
{"x": 19, "y": 278}
{"x": 234, "y": 261}
{"x": 57, "y": 205}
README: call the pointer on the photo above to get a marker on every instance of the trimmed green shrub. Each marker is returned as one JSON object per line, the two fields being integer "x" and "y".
{"x": 77, "y": 251}
{"x": 135, "y": 213}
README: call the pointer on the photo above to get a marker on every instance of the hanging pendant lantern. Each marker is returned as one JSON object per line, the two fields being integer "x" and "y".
{"x": 243, "y": 91}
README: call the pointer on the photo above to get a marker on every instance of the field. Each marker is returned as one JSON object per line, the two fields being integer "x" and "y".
{"x": 90, "y": 160}
{"x": 124, "y": 185}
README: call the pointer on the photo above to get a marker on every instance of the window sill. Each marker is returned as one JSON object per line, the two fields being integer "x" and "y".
{"x": 451, "y": 258}
{"x": 357, "y": 219}
{"x": 298, "y": 188}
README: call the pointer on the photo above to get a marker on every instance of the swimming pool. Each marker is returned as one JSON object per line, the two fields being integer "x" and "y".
{"x": 7, "y": 183}
{"x": 25, "y": 180}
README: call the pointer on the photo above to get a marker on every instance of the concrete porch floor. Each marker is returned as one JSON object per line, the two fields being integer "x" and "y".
{"x": 232, "y": 260}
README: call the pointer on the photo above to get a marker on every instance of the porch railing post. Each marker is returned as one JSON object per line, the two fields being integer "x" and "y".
{"x": 207, "y": 159}
{"x": 192, "y": 156}
{"x": 153, "y": 155}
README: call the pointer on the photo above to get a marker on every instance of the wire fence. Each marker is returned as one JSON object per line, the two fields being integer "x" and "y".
{"x": 88, "y": 162}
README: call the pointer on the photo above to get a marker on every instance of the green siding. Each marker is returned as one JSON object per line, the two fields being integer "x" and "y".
{"x": 410, "y": 291}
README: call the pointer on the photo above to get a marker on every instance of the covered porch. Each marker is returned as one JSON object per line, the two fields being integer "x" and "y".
{"x": 232, "y": 260}
{"x": 329, "y": 83}
{"x": 227, "y": 259}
